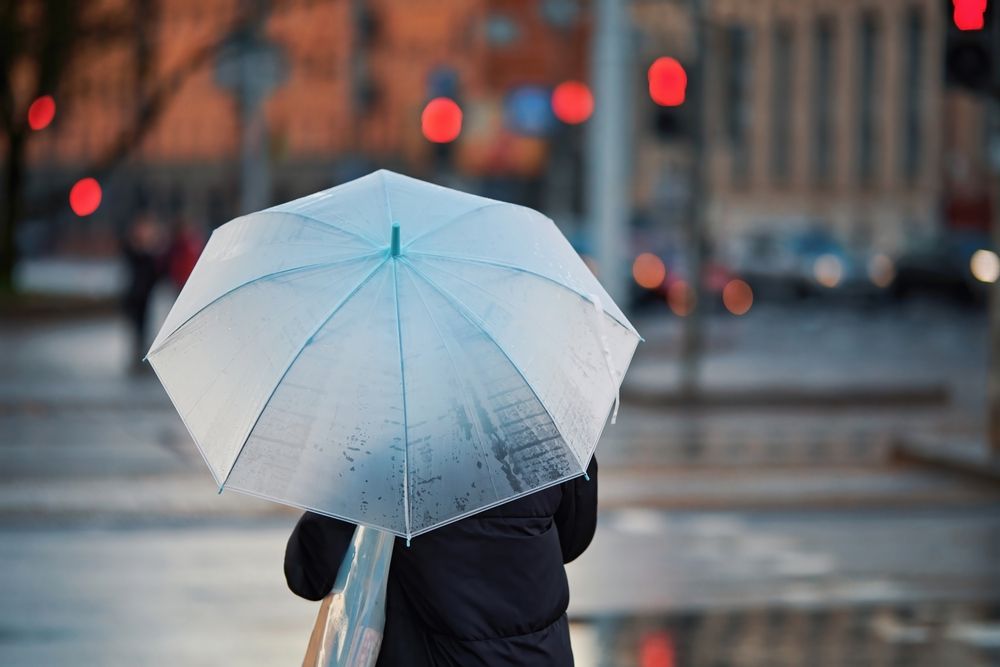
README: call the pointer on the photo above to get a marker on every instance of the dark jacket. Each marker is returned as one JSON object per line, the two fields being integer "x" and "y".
{"x": 489, "y": 590}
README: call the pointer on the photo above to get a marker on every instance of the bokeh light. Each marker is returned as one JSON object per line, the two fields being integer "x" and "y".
{"x": 41, "y": 112}
{"x": 667, "y": 82}
{"x": 969, "y": 14}
{"x": 985, "y": 266}
{"x": 441, "y": 120}
{"x": 572, "y": 102}
{"x": 828, "y": 270}
{"x": 881, "y": 270}
{"x": 680, "y": 298}
{"x": 657, "y": 650}
{"x": 737, "y": 297}
{"x": 85, "y": 197}
{"x": 649, "y": 270}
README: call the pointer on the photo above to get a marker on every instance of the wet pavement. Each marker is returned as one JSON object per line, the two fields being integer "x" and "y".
{"x": 727, "y": 536}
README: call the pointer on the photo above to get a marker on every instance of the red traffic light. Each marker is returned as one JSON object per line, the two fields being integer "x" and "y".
{"x": 41, "y": 112}
{"x": 968, "y": 14}
{"x": 441, "y": 121}
{"x": 667, "y": 82}
{"x": 85, "y": 197}
{"x": 572, "y": 102}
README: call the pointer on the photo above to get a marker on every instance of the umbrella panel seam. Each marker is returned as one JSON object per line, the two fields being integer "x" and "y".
{"x": 471, "y": 415}
{"x": 273, "y": 274}
{"x": 452, "y": 220}
{"x": 467, "y": 313}
{"x": 402, "y": 380}
{"x": 295, "y": 358}
{"x": 351, "y": 232}
{"x": 514, "y": 267}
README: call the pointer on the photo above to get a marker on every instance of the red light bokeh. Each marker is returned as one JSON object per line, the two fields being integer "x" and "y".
{"x": 667, "y": 82}
{"x": 572, "y": 102}
{"x": 441, "y": 121}
{"x": 968, "y": 14}
{"x": 85, "y": 197}
{"x": 737, "y": 297}
{"x": 41, "y": 112}
{"x": 649, "y": 270}
{"x": 657, "y": 650}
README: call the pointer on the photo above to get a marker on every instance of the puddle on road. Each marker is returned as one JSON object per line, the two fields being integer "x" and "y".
{"x": 924, "y": 635}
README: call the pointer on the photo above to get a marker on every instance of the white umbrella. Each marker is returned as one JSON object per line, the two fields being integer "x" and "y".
{"x": 393, "y": 353}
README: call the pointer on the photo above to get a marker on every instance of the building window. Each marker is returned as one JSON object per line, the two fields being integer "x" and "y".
{"x": 782, "y": 98}
{"x": 867, "y": 112}
{"x": 822, "y": 95}
{"x": 737, "y": 107}
{"x": 913, "y": 58}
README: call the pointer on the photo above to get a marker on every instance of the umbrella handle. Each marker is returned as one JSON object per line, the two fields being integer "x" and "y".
{"x": 348, "y": 632}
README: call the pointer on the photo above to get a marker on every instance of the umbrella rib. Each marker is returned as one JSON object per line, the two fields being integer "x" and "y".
{"x": 467, "y": 313}
{"x": 457, "y": 218}
{"x": 282, "y": 272}
{"x": 514, "y": 267}
{"x": 350, "y": 232}
{"x": 454, "y": 367}
{"x": 298, "y": 353}
{"x": 406, "y": 433}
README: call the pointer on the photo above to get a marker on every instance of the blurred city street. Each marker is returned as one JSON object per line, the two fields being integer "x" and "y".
{"x": 797, "y": 205}
{"x": 737, "y": 522}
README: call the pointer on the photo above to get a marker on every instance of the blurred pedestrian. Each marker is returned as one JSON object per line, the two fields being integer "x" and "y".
{"x": 489, "y": 589}
{"x": 186, "y": 244}
{"x": 143, "y": 252}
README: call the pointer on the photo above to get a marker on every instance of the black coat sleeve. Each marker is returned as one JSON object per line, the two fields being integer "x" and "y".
{"x": 576, "y": 517}
{"x": 315, "y": 550}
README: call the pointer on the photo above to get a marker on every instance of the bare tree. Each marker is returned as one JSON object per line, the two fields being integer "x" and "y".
{"x": 42, "y": 37}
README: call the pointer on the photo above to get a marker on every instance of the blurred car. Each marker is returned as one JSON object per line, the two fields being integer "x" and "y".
{"x": 801, "y": 264}
{"x": 941, "y": 264}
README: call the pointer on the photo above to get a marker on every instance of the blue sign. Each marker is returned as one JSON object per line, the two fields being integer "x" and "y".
{"x": 527, "y": 111}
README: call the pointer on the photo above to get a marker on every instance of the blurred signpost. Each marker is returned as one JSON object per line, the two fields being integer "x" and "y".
{"x": 993, "y": 397}
{"x": 695, "y": 220}
{"x": 972, "y": 62}
{"x": 251, "y": 67}
{"x": 608, "y": 141}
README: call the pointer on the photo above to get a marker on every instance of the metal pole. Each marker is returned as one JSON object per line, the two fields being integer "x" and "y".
{"x": 692, "y": 333}
{"x": 993, "y": 382}
{"x": 608, "y": 137}
{"x": 255, "y": 167}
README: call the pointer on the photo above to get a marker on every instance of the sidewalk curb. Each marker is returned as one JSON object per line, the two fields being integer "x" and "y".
{"x": 971, "y": 461}
{"x": 790, "y": 396}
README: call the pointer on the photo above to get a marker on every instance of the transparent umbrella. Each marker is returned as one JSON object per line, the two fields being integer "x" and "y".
{"x": 393, "y": 353}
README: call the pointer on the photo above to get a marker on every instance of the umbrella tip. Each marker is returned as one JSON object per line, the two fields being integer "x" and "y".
{"x": 394, "y": 248}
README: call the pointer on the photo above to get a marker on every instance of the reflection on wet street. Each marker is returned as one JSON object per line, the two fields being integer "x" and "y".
{"x": 924, "y": 635}
{"x": 727, "y": 536}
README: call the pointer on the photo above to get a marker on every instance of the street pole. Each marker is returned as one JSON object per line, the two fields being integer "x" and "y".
{"x": 251, "y": 67}
{"x": 993, "y": 382}
{"x": 608, "y": 140}
{"x": 692, "y": 332}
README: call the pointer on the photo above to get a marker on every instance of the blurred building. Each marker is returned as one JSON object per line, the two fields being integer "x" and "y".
{"x": 825, "y": 114}
{"x": 353, "y": 79}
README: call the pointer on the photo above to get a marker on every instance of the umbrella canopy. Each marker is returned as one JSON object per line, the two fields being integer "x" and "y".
{"x": 393, "y": 353}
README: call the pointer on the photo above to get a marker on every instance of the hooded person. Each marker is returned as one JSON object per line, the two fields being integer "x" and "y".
{"x": 490, "y": 589}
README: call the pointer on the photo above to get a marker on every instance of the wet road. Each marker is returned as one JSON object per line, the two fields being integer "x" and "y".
{"x": 213, "y": 593}
{"x": 723, "y": 532}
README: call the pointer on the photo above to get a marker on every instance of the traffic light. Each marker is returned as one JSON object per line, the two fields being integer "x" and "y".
{"x": 972, "y": 45}
{"x": 668, "y": 83}
{"x": 668, "y": 123}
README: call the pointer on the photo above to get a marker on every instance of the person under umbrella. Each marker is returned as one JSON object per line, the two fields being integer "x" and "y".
{"x": 489, "y": 589}
{"x": 417, "y": 362}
